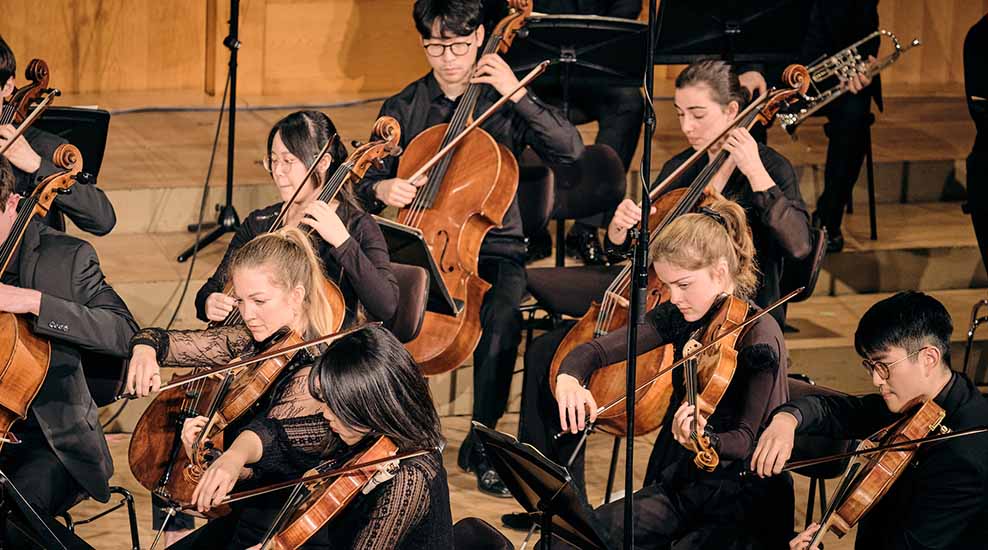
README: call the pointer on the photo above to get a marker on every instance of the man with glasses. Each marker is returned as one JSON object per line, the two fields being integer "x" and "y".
{"x": 941, "y": 500}
{"x": 452, "y": 36}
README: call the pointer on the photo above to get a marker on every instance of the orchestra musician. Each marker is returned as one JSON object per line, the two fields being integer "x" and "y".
{"x": 55, "y": 280}
{"x": 452, "y": 35}
{"x": 941, "y": 498}
{"x": 87, "y": 206}
{"x": 364, "y": 386}
{"x": 701, "y": 257}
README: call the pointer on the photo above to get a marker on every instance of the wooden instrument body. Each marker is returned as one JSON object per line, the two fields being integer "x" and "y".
{"x": 328, "y": 497}
{"x": 477, "y": 190}
{"x": 24, "y": 360}
{"x": 608, "y": 383}
{"x": 717, "y": 365}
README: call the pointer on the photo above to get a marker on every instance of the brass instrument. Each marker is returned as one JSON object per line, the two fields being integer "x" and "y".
{"x": 843, "y": 66}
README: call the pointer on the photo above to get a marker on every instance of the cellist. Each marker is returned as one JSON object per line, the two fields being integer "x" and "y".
{"x": 87, "y": 206}
{"x": 452, "y": 35}
{"x": 56, "y": 281}
{"x": 941, "y": 499}
{"x": 701, "y": 257}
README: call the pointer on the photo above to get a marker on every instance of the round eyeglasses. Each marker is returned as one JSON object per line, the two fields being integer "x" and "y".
{"x": 883, "y": 369}
{"x": 437, "y": 50}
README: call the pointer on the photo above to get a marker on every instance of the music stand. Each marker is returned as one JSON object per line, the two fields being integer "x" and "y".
{"x": 84, "y": 128}
{"x": 754, "y": 31}
{"x": 592, "y": 49}
{"x": 544, "y": 488}
{"x": 407, "y": 246}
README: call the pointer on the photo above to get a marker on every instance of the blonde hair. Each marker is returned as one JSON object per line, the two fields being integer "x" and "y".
{"x": 697, "y": 241}
{"x": 288, "y": 253}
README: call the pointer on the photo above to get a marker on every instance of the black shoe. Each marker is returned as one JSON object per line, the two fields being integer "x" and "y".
{"x": 583, "y": 243}
{"x": 472, "y": 458}
{"x": 539, "y": 246}
{"x": 519, "y": 521}
{"x": 835, "y": 242}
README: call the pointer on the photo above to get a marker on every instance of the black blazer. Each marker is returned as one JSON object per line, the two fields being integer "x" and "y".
{"x": 79, "y": 312}
{"x": 86, "y": 205}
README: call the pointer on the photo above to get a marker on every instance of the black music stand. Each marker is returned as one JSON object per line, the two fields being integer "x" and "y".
{"x": 763, "y": 31}
{"x": 588, "y": 49}
{"x": 406, "y": 246}
{"x": 544, "y": 489}
{"x": 84, "y": 128}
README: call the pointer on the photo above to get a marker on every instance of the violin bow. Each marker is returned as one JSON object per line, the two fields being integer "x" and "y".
{"x": 308, "y": 174}
{"x": 532, "y": 75}
{"x": 260, "y": 358}
{"x": 40, "y": 108}
{"x": 697, "y": 353}
{"x": 243, "y": 495}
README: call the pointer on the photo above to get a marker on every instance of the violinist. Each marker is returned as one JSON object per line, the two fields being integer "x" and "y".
{"x": 941, "y": 499}
{"x": 277, "y": 285}
{"x": 708, "y": 97}
{"x": 452, "y": 35}
{"x": 55, "y": 280}
{"x": 364, "y": 386}
{"x": 347, "y": 239}
{"x": 701, "y": 257}
{"x": 87, "y": 206}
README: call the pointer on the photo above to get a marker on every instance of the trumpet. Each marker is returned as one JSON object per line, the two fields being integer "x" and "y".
{"x": 843, "y": 65}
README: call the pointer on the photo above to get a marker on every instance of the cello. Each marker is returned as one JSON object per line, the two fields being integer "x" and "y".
{"x": 23, "y": 355}
{"x": 467, "y": 194}
{"x": 36, "y": 95}
{"x": 611, "y": 312}
{"x": 156, "y": 451}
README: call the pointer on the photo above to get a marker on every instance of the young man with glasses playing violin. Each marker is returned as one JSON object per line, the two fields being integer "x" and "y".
{"x": 941, "y": 500}
{"x": 452, "y": 36}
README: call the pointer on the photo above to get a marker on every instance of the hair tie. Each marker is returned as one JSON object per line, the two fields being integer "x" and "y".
{"x": 714, "y": 215}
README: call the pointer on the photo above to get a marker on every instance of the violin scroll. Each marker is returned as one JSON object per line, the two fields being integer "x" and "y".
{"x": 706, "y": 458}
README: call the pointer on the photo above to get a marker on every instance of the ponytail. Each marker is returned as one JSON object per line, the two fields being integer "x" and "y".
{"x": 699, "y": 240}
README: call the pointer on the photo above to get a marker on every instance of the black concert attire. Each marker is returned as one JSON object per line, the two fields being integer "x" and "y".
{"x": 941, "y": 499}
{"x": 64, "y": 457}
{"x": 360, "y": 266}
{"x": 976, "y": 90}
{"x": 679, "y": 503}
{"x": 778, "y": 218}
{"x": 86, "y": 205}
{"x": 530, "y": 122}
{"x": 409, "y": 511}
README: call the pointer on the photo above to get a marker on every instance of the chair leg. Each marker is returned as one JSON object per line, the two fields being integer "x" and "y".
{"x": 560, "y": 243}
{"x": 135, "y": 536}
{"x": 872, "y": 219}
{"x": 613, "y": 469}
{"x": 823, "y": 497}
{"x": 975, "y": 322}
{"x": 810, "y": 502}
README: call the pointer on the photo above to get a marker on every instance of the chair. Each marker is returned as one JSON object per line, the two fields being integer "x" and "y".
{"x": 977, "y": 319}
{"x": 127, "y": 499}
{"x": 477, "y": 534}
{"x": 811, "y": 446}
{"x": 413, "y": 295}
{"x": 804, "y": 273}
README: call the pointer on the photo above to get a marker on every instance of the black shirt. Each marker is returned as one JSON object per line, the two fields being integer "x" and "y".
{"x": 530, "y": 122}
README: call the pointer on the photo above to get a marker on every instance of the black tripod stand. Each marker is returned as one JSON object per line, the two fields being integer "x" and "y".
{"x": 228, "y": 220}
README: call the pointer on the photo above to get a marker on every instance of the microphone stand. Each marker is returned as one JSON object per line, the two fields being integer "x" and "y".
{"x": 639, "y": 278}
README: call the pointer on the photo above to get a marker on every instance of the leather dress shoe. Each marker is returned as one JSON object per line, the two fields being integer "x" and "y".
{"x": 585, "y": 245}
{"x": 835, "y": 242}
{"x": 519, "y": 521}
{"x": 472, "y": 458}
{"x": 539, "y": 246}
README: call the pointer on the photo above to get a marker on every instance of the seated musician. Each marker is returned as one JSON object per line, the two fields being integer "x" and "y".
{"x": 364, "y": 386}
{"x": 56, "y": 283}
{"x": 348, "y": 240}
{"x": 277, "y": 284}
{"x": 701, "y": 257}
{"x": 452, "y": 35}
{"x": 87, "y": 206}
{"x": 941, "y": 499}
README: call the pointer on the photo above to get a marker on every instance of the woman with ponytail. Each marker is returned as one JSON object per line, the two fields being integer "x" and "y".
{"x": 347, "y": 239}
{"x": 701, "y": 257}
{"x": 277, "y": 286}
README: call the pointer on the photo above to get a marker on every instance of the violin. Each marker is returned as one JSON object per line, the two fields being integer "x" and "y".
{"x": 26, "y": 356}
{"x": 611, "y": 312}
{"x": 467, "y": 194}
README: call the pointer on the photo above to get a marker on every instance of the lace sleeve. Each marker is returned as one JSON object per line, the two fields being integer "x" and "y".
{"x": 195, "y": 348}
{"x": 403, "y": 503}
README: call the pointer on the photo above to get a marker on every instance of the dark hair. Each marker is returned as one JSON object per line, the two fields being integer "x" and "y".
{"x": 908, "y": 320}
{"x": 717, "y": 75}
{"x": 6, "y": 182}
{"x": 304, "y": 134}
{"x": 370, "y": 382}
{"x": 8, "y": 64}
{"x": 456, "y": 17}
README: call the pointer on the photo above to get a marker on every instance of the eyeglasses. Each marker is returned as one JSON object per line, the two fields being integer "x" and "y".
{"x": 883, "y": 368}
{"x": 437, "y": 50}
{"x": 272, "y": 163}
